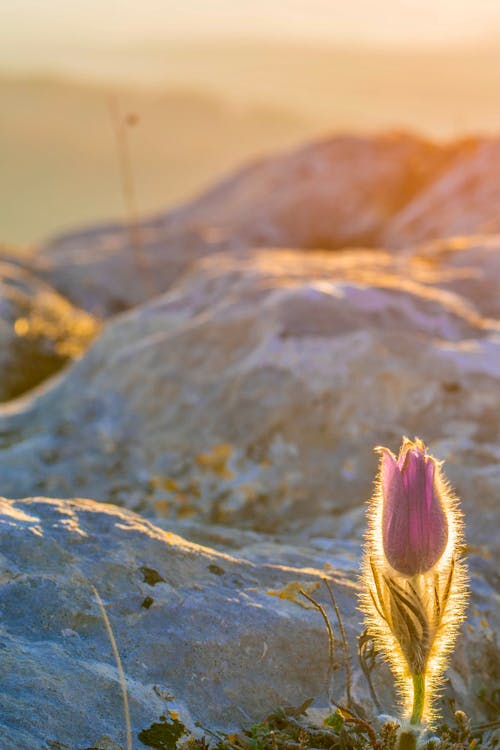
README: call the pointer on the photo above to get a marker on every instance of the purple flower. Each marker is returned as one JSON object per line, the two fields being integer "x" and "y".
{"x": 414, "y": 523}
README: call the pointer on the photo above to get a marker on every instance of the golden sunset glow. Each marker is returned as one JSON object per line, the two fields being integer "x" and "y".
{"x": 260, "y": 76}
{"x": 242, "y": 243}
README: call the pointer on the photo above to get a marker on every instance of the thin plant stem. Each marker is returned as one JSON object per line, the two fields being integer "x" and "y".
{"x": 331, "y": 637}
{"x": 345, "y": 645}
{"x": 418, "y": 698}
{"x": 407, "y": 741}
{"x": 367, "y": 727}
{"x": 367, "y": 655}
{"x": 487, "y": 725}
{"x": 126, "y": 180}
{"x": 121, "y": 673}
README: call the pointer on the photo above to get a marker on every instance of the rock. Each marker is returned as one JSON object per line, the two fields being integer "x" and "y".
{"x": 198, "y": 631}
{"x": 463, "y": 200}
{"x": 39, "y": 331}
{"x": 331, "y": 194}
{"x": 253, "y": 392}
{"x": 20, "y": 255}
{"x": 334, "y": 193}
{"x": 468, "y": 266}
{"x": 215, "y": 637}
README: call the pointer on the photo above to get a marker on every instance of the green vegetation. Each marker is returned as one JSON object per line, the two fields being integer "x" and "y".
{"x": 164, "y": 734}
{"x": 290, "y": 729}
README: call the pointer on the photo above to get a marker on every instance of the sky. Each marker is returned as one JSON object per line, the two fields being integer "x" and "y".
{"x": 34, "y": 29}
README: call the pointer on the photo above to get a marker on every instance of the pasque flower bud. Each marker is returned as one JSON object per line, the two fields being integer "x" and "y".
{"x": 414, "y": 578}
{"x": 414, "y": 524}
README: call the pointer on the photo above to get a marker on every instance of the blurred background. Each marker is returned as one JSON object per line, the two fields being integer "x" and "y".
{"x": 212, "y": 84}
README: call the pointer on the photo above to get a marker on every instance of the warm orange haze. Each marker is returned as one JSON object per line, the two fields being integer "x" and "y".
{"x": 216, "y": 84}
{"x": 242, "y": 244}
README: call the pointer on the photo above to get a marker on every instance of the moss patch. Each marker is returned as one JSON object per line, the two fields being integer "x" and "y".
{"x": 163, "y": 735}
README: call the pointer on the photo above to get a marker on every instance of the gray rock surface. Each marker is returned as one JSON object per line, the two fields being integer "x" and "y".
{"x": 39, "y": 330}
{"x": 468, "y": 266}
{"x": 253, "y": 393}
{"x": 339, "y": 192}
{"x": 204, "y": 635}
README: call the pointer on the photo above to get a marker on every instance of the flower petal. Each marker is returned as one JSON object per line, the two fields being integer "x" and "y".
{"x": 414, "y": 524}
{"x": 395, "y": 511}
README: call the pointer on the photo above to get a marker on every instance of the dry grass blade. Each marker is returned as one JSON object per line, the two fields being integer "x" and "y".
{"x": 367, "y": 655}
{"x": 368, "y": 729}
{"x": 121, "y": 673}
{"x": 127, "y": 181}
{"x": 331, "y": 637}
{"x": 345, "y": 645}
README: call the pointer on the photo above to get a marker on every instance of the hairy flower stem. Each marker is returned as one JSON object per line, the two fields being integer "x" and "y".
{"x": 407, "y": 741}
{"x": 418, "y": 698}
